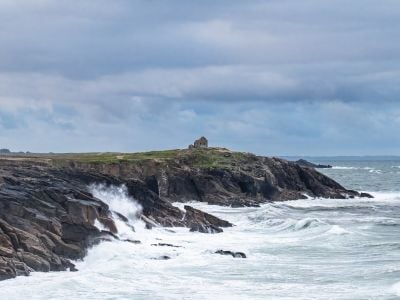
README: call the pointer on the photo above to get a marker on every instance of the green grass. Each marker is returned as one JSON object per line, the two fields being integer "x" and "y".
{"x": 215, "y": 158}
{"x": 201, "y": 158}
{"x": 111, "y": 157}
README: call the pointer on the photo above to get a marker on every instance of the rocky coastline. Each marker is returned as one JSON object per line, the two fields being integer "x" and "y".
{"x": 48, "y": 215}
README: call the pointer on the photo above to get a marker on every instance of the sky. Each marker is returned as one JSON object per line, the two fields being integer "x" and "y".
{"x": 284, "y": 77}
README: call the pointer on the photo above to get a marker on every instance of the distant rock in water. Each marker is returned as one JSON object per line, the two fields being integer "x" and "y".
{"x": 162, "y": 257}
{"x": 366, "y": 195}
{"x": 204, "y": 222}
{"x": 305, "y": 163}
{"x": 233, "y": 254}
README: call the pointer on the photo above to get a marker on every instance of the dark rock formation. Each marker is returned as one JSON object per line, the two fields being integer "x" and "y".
{"x": 45, "y": 220}
{"x": 366, "y": 195}
{"x": 219, "y": 176}
{"x": 203, "y": 222}
{"x": 305, "y": 163}
{"x": 162, "y": 257}
{"x": 47, "y": 214}
{"x": 233, "y": 254}
{"x": 132, "y": 241}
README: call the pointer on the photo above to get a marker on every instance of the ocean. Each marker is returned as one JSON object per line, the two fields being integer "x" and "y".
{"x": 302, "y": 249}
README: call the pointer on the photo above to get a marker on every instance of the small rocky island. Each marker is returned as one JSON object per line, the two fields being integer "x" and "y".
{"x": 306, "y": 163}
{"x": 48, "y": 215}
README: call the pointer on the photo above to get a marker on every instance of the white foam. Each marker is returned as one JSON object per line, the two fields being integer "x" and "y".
{"x": 336, "y": 229}
{"x": 344, "y": 168}
{"x": 99, "y": 226}
{"x": 396, "y": 288}
{"x": 305, "y": 223}
{"x": 281, "y": 262}
{"x": 118, "y": 200}
{"x": 351, "y": 168}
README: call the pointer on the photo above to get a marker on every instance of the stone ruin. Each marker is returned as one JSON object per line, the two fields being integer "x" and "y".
{"x": 201, "y": 143}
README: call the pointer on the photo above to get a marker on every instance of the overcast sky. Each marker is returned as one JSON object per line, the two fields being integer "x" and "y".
{"x": 284, "y": 77}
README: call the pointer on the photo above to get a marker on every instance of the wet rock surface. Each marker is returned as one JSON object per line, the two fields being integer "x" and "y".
{"x": 162, "y": 257}
{"x": 47, "y": 213}
{"x": 231, "y": 253}
{"x": 203, "y": 222}
{"x": 231, "y": 179}
{"x": 47, "y": 216}
{"x": 166, "y": 245}
{"x": 306, "y": 163}
{"x": 45, "y": 220}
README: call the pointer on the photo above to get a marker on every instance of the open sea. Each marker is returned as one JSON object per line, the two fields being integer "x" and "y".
{"x": 302, "y": 249}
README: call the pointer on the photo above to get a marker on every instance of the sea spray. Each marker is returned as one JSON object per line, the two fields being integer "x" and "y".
{"x": 118, "y": 200}
{"x": 120, "y": 203}
{"x": 350, "y": 251}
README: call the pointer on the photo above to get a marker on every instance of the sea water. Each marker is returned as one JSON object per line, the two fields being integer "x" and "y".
{"x": 302, "y": 249}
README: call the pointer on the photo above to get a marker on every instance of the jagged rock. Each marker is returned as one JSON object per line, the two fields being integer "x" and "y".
{"x": 33, "y": 261}
{"x": 366, "y": 195}
{"x": 203, "y": 222}
{"x": 47, "y": 213}
{"x": 305, "y": 163}
{"x": 217, "y": 176}
{"x": 132, "y": 241}
{"x": 233, "y": 254}
{"x": 163, "y": 257}
{"x": 205, "y": 228}
{"x": 45, "y": 219}
{"x": 7, "y": 268}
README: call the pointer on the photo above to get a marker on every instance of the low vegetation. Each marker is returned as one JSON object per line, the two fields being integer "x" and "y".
{"x": 199, "y": 158}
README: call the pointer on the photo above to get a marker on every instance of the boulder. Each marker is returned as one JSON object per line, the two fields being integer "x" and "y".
{"x": 231, "y": 253}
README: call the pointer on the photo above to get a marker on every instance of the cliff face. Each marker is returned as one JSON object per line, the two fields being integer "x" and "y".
{"x": 44, "y": 219}
{"x": 219, "y": 176}
{"x": 47, "y": 213}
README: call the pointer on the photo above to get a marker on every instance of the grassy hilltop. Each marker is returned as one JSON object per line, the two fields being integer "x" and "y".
{"x": 198, "y": 158}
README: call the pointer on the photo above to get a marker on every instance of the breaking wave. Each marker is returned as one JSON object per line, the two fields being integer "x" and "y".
{"x": 354, "y": 168}
{"x": 344, "y": 168}
{"x": 121, "y": 205}
{"x": 117, "y": 198}
{"x": 300, "y": 249}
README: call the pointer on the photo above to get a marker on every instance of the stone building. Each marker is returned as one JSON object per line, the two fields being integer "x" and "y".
{"x": 201, "y": 143}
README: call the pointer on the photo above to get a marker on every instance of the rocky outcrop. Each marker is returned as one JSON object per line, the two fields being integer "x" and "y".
{"x": 48, "y": 215}
{"x": 219, "y": 176}
{"x": 305, "y": 163}
{"x": 203, "y": 222}
{"x": 45, "y": 220}
{"x": 231, "y": 253}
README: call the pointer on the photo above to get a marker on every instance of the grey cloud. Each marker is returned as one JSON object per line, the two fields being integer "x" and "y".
{"x": 97, "y": 38}
{"x": 272, "y": 75}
